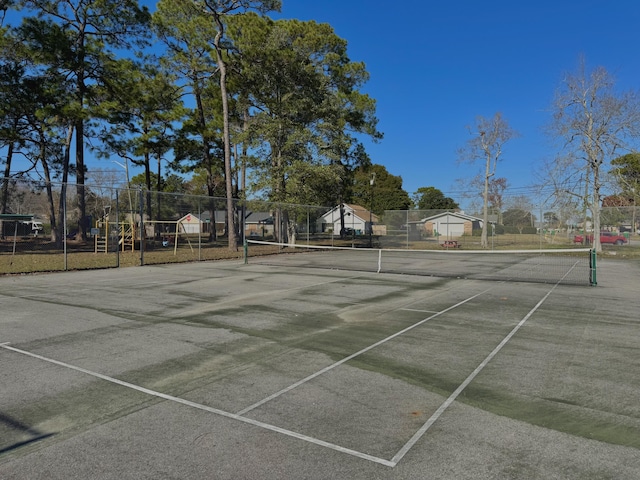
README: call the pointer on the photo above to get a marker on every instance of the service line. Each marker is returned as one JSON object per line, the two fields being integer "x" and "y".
{"x": 354, "y": 355}
{"x": 199, "y": 406}
{"x": 239, "y": 416}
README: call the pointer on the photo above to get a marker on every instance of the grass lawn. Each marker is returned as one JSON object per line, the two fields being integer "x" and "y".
{"x": 40, "y": 255}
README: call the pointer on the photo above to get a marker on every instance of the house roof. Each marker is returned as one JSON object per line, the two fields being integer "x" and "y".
{"x": 250, "y": 216}
{"x": 189, "y": 217}
{"x": 359, "y": 211}
{"x": 258, "y": 217}
{"x": 460, "y": 215}
{"x": 16, "y": 216}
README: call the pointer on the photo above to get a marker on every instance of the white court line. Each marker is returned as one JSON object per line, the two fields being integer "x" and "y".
{"x": 403, "y": 451}
{"x": 417, "y": 310}
{"x": 43, "y": 297}
{"x": 199, "y": 406}
{"x": 238, "y": 416}
{"x": 353, "y": 355}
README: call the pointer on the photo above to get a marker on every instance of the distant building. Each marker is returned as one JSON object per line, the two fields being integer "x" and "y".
{"x": 355, "y": 217}
{"x": 447, "y": 225}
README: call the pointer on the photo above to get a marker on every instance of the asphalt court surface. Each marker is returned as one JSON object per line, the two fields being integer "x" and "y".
{"x": 221, "y": 370}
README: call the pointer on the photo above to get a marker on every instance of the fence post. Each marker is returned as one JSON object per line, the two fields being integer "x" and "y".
{"x": 117, "y": 240}
{"x": 199, "y": 230}
{"x": 141, "y": 230}
{"x": 64, "y": 227}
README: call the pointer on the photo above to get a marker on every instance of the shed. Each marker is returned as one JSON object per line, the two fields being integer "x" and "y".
{"x": 190, "y": 224}
{"x": 18, "y": 224}
{"x": 448, "y": 225}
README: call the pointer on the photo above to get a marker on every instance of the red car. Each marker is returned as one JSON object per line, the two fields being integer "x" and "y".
{"x": 605, "y": 238}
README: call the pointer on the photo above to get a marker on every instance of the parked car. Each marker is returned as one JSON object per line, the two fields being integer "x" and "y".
{"x": 606, "y": 238}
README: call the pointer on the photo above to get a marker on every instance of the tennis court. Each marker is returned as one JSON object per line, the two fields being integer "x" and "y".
{"x": 226, "y": 370}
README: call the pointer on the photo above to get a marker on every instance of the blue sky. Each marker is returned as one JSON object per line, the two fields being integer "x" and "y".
{"x": 436, "y": 66}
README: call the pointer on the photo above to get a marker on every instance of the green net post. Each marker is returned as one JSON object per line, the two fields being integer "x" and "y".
{"x": 246, "y": 251}
{"x": 593, "y": 281}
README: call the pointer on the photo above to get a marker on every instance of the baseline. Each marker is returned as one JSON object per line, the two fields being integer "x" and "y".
{"x": 239, "y": 415}
{"x": 199, "y": 406}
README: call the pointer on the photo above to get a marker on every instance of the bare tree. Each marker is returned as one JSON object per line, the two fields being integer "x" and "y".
{"x": 489, "y": 138}
{"x": 593, "y": 122}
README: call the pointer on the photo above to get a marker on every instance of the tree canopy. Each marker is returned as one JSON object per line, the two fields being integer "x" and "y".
{"x": 431, "y": 198}
{"x": 626, "y": 172}
{"x": 386, "y": 192}
{"x": 230, "y": 91}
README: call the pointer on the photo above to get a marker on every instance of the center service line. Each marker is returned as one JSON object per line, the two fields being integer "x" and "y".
{"x": 354, "y": 355}
{"x": 403, "y": 451}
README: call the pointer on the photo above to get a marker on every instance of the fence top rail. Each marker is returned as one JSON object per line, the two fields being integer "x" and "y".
{"x": 16, "y": 216}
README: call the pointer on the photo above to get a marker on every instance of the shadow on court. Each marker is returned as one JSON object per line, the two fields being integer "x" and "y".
{"x": 224, "y": 370}
{"x": 21, "y": 429}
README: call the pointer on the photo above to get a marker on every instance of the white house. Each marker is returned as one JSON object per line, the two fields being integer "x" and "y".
{"x": 355, "y": 217}
{"x": 446, "y": 225}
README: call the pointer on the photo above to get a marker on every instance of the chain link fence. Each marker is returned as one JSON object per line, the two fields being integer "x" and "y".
{"x": 428, "y": 229}
{"x": 42, "y": 228}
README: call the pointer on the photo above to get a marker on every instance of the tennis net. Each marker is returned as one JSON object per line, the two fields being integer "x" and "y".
{"x": 567, "y": 266}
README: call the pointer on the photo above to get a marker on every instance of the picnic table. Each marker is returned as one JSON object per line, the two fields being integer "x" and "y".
{"x": 450, "y": 244}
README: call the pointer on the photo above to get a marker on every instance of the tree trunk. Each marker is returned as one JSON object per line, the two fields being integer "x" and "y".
{"x": 80, "y": 178}
{"x": 5, "y": 185}
{"x": 208, "y": 160}
{"x": 485, "y": 210}
{"x": 597, "y": 246}
{"x": 5, "y": 182}
{"x": 58, "y": 234}
{"x": 231, "y": 224}
{"x": 47, "y": 179}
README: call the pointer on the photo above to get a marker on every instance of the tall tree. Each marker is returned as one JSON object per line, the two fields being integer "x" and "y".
{"x": 197, "y": 28}
{"x": 36, "y": 112}
{"x": 186, "y": 33}
{"x": 12, "y": 108}
{"x": 626, "y": 171}
{"x": 93, "y": 29}
{"x": 489, "y": 137}
{"x": 386, "y": 193}
{"x": 593, "y": 122}
{"x": 141, "y": 103}
{"x": 303, "y": 92}
{"x": 44, "y": 137}
{"x": 431, "y": 198}
{"x": 219, "y": 10}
